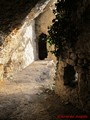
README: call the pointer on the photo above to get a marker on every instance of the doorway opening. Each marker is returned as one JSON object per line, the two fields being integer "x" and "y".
{"x": 69, "y": 76}
{"x": 42, "y": 43}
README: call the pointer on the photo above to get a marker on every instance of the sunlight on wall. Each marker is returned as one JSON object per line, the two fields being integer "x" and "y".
{"x": 29, "y": 32}
{"x": 29, "y": 39}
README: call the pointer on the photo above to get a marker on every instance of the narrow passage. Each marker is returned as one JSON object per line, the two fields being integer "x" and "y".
{"x": 29, "y": 95}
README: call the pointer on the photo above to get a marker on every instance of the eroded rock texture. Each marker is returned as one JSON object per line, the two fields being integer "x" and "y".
{"x": 78, "y": 90}
{"x": 17, "y": 34}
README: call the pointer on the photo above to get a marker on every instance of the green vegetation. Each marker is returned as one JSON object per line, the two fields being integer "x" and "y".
{"x": 63, "y": 33}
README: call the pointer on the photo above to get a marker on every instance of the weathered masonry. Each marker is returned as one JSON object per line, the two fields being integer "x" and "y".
{"x": 19, "y": 33}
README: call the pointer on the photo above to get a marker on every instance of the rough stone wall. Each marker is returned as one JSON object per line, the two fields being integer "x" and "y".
{"x": 79, "y": 58}
{"x": 67, "y": 93}
{"x": 18, "y": 46}
{"x": 20, "y": 49}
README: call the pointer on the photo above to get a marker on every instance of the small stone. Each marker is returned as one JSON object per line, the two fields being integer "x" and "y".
{"x": 73, "y": 56}
{"x": 75, "y": 68}
{"x": 81, "y": 55}
{"x": 66, "y": 103}
{"x": 70, "y": 61}
{"x": 80, "y": 61}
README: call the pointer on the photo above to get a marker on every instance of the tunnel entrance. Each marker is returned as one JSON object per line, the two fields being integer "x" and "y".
{"x": 42, "y": 46}
{"x": 69, "y": 76}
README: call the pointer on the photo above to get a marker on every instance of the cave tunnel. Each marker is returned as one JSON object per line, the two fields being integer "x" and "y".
{"x": 35, "y": 91}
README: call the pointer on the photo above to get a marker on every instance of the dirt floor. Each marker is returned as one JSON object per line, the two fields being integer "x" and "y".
{"x": 29, "y": 95}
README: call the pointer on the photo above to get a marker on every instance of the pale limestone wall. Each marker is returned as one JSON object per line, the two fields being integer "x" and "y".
{"x": 43, "y": 21}
{"x": 27, "y": 48}
{"x": 20, "y": 49}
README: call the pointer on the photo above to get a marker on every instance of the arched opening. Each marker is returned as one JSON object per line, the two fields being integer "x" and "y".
{"x": 42, "y": 44}
{"x": 70, "y": 76}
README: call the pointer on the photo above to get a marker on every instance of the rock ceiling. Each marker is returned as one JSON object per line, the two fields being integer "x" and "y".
{"x": 12, "y": 13}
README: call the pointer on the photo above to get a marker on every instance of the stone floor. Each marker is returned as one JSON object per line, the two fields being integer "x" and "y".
{"x": 29, "y": 95}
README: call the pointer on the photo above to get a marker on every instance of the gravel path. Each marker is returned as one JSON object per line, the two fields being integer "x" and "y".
{"x": 29, "y": 95}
